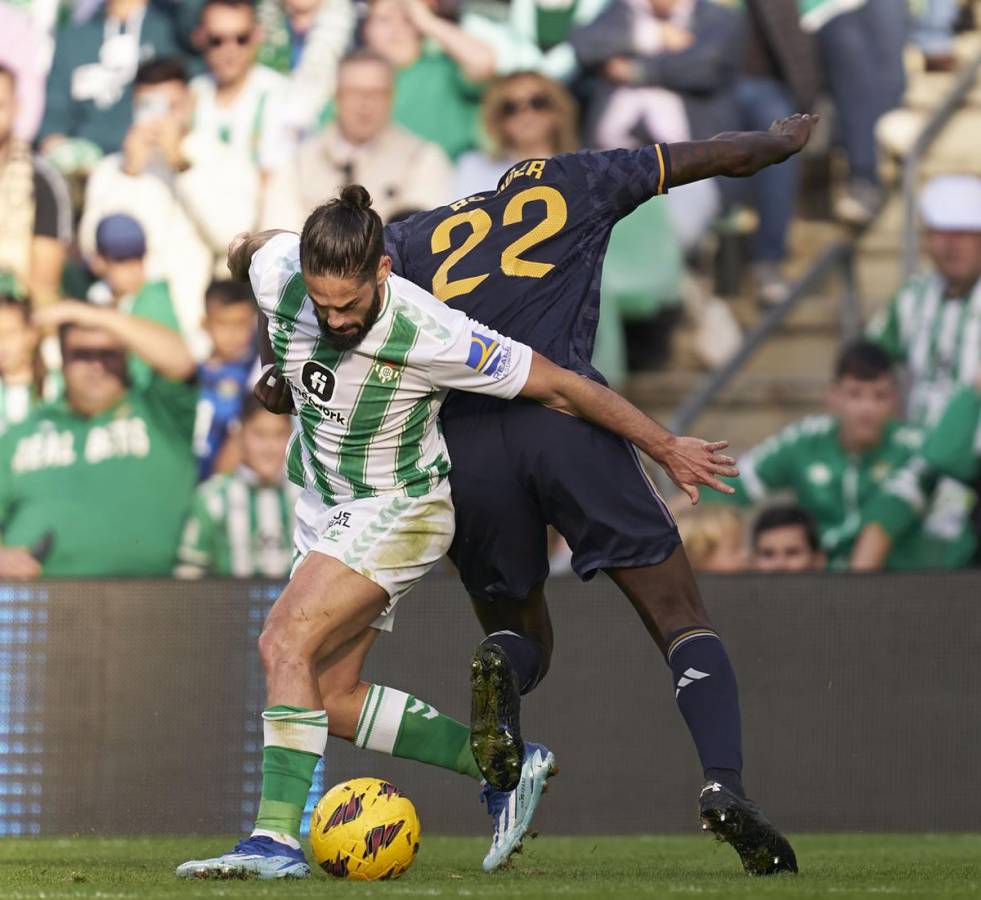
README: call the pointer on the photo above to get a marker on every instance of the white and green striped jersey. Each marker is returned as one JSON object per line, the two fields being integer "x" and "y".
{"x": 238, "y": 526}
{"x": 937, "y": 337}
{"x": 367, "y": 416}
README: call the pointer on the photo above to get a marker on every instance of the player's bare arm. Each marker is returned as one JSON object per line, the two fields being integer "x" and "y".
{"x": 244, "y": 246}
{"x": 162, "y": 349}
{"x": 739, "y": 154}
{"x": 688, "y": 461}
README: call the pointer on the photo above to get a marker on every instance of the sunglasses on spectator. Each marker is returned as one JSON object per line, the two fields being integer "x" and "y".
{"x": 214, "y": 41}
{"x": 109, "y": 358}
{"x": 536, "y": 102}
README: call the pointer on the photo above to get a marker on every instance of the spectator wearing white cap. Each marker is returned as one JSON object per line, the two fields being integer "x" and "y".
{"x": 933, "y": 324}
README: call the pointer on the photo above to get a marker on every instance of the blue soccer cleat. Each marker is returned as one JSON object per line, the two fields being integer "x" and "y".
{"x": 253, "y": 857}
{"x": 512, "y": 811}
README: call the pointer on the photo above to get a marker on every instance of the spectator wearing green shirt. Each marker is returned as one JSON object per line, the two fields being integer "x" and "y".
{"x": 241, "y": 522}
{"x": 97, "y": 484}
{"x": 437, "y": 68}
{"x": 119, "y": 261}
{"x": 951, "y": 450}
{"x": 837, "y": 465}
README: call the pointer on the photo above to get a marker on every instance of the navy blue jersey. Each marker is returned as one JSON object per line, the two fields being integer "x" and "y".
{"x": 525, "y": 259}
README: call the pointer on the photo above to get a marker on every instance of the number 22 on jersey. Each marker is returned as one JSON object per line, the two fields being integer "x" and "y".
{"x": 480, "y": 224}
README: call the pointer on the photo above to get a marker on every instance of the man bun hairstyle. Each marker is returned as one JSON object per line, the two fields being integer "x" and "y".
{"x": 343, "y": 237}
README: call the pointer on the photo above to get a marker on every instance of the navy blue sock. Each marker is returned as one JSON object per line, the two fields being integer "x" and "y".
{"x": 524, "y": 653}
{"x": 705, "y": 688}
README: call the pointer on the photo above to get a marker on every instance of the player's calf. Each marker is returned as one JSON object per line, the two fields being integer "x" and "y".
{"x": 505, "y": 666}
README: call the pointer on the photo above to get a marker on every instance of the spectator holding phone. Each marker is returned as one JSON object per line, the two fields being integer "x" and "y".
{"x": 190, "y": 193}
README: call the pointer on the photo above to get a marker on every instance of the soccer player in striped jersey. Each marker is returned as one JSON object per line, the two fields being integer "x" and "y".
{"x": 241, "y": 522}
{"x": 527, "y": 257}
{"x": 369, "y": 357}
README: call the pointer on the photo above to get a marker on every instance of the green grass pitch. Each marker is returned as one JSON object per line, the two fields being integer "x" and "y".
{"x": 832, "y": 866}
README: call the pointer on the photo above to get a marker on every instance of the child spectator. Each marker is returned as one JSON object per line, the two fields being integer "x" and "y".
{"x": 226, "y": 377}
{"x": 22, "y": 375}
{"x": 785, "y": 539}
{"x": 713, "y": 539}
{"x": 241, "y": 523}
{"x": 119, "y": 263}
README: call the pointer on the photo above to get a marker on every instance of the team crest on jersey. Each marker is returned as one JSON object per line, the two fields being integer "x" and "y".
{"x": 386, "y": 372}
{"x": 318, "y": 380}
{"x": 485, "y": 353}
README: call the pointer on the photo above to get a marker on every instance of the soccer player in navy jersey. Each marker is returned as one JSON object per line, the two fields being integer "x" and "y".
{"x": 525, "y": 258}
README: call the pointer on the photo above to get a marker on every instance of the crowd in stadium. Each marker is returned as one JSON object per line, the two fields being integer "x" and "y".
{"x": 137, "y": 138}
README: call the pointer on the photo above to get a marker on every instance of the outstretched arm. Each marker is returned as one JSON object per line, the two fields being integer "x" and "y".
{"x": 739, "y": 154}
{"x": 162, "y": 349}
{"x": 688, "y": 461}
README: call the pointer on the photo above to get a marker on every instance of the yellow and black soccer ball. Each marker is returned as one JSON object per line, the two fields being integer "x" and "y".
{"x": 364, "y": 829}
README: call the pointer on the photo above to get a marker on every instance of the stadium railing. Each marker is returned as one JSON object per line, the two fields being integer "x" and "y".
{"x": 837, "y": 260}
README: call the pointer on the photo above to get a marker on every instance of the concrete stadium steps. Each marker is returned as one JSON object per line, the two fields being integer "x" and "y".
{"x": 753, "y": 407}
{"x": 787, "y": 378}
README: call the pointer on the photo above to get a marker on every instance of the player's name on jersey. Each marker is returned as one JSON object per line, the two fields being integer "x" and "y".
{"x": 50, "y": 449}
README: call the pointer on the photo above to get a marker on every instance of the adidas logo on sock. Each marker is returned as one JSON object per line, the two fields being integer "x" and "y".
{"x": 690, "y": 676}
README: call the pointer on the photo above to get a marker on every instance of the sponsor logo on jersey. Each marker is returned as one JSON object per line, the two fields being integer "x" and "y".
{"x": 485, "y": 353}
{"x": 316, "y": 386}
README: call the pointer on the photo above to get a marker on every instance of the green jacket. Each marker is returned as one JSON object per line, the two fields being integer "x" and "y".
{"x": 113, "y": 489}
{"x": 842, "y": 491}
{"x": 931, "y": 493}
{"x": 84, "y": 100}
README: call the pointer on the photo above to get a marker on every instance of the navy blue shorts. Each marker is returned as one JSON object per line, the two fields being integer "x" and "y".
{"x": 517, "y": 467}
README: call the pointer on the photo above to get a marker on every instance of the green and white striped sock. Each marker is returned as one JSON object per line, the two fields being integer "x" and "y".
{"x": 398, "y": 724}
{"x": 294, "y": 740}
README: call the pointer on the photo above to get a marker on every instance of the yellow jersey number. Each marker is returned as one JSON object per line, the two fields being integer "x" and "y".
{"x": 479, "y": 222}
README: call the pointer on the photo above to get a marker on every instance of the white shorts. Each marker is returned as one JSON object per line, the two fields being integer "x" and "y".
{"x": 391, "y": 540}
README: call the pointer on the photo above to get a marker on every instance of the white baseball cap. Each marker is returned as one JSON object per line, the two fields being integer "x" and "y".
{"x": 952, "y": 203}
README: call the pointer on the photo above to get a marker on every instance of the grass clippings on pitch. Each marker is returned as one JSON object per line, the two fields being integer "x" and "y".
{"x": 832, "y": 866}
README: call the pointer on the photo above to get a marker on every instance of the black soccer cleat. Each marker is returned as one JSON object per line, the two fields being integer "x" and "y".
{"x": 495, "y": 718}
{"x": 739, "y": 822}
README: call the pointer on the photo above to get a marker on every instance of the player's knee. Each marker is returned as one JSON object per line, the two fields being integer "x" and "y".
{"x": 279, "y": 649}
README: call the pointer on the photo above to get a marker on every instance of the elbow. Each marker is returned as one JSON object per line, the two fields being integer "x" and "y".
{"x": 481, "y": 67}
{"x": 182, "y": 366}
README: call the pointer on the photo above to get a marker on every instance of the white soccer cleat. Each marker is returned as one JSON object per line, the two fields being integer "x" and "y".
{"x": 512, "y": 811}
{"x": 254, "y": 857}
